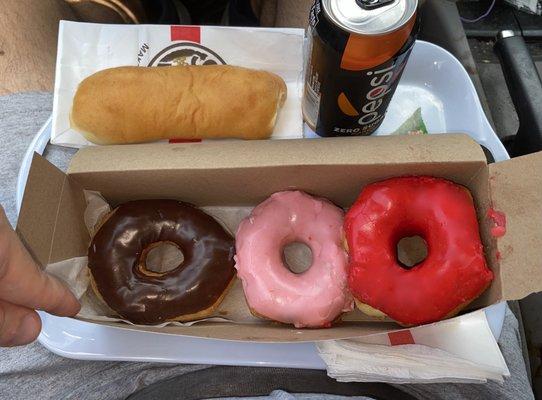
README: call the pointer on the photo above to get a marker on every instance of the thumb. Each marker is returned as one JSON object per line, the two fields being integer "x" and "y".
{"x": 24, "y": 283}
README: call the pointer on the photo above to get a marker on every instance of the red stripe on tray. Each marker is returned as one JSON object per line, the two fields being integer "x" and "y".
{"x": 401, "y": 337}
{"x": 187, "y": 33}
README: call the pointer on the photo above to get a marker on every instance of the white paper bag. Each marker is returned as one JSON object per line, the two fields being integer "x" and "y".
{"x": 84, "y": 49}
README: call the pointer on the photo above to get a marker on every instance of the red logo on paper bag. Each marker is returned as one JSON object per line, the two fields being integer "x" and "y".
{"x": 185, "y": 33}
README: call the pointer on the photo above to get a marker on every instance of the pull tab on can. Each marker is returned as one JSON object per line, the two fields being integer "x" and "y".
{"x": 372, "y": 4}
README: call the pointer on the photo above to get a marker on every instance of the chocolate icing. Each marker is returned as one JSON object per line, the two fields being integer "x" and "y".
{"x": 116, "y": 258}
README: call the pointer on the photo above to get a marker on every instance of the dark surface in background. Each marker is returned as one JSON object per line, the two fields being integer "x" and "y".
{"x": 206, "y": 12}
{"x": 161, "y": 11}
{"x": 531, "y": 25}
{"x": 481, "y": 39}
{"x": 502, "y": 111}
{"x": 241, "y": 14}
{"x": 501, "y": 17}
{"x": 218, "y": 382}
{"x": 202, "y": 12}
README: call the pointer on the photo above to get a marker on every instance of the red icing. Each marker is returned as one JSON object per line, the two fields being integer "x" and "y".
{"x": 454, "y": 271}
{"x": 498, "y": 255}
{"x": 499, "y": 219}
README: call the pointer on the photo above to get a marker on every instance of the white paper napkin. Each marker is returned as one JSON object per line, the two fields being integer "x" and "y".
{"x": 461, "y": 349}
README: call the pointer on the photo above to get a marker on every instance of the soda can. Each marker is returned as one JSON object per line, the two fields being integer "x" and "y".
{"x": 357, "y": 50}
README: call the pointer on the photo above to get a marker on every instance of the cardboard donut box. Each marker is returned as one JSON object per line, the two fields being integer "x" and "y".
{"x": 244, "y": 173}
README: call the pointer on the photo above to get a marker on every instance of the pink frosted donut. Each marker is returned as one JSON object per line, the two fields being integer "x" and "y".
{"x": 313, "y": 298}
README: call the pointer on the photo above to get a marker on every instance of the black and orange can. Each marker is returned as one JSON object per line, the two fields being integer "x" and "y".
{"x": 357, "y": 50}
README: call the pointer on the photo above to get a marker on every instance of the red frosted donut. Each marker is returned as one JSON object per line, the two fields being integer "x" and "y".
{"x": 452, "y": 275}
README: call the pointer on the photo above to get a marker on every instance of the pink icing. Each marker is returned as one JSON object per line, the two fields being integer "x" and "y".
{"x": 313, "y": 298}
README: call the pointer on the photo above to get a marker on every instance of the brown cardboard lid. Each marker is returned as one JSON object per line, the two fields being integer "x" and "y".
{"x": 51, "y": 222}
{"x": 516, "y": 189}
{"x": 233, "y": 154}
{"x": 40, "y": 207}
{"x": 218, "y": 173}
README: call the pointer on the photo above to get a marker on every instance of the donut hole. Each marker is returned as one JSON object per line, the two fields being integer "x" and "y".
{"x": 297, "y": 257}
{"x": 163, "y": 257}
{"x": 411, "y": 250}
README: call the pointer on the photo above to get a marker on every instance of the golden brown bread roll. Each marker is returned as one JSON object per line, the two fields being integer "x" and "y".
{"x": 143, "y": 104}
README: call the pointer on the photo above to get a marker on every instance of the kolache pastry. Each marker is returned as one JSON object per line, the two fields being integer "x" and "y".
{"x": 313, "y": 298}
{"x": 143, "y": 104}
{"x": 117, "y": 262}
{"x": 452, "y": 275}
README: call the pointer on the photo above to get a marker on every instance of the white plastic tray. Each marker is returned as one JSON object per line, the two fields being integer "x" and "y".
{"x": 434, "y": 80}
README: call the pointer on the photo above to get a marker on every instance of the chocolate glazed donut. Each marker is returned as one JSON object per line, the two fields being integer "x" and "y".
{"x": 117, "y": 253}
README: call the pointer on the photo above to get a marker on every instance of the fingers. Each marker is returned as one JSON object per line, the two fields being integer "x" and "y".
{"x": 22, "y": 282}
{"x": 18, "y": 325}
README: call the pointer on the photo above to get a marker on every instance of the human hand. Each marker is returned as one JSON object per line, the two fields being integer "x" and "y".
{"x": 24, "y": 287}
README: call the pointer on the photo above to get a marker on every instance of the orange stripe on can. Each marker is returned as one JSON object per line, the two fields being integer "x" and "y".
{"x": 368, "y": 51}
